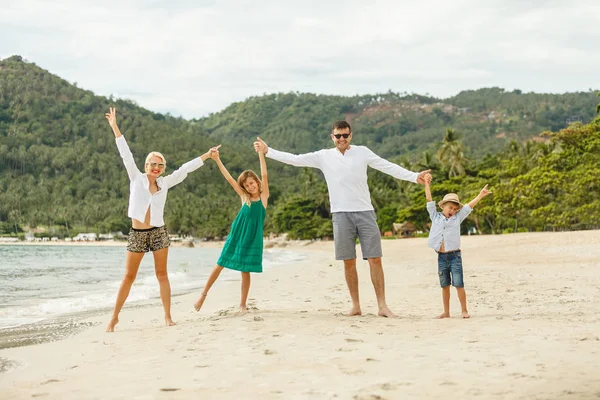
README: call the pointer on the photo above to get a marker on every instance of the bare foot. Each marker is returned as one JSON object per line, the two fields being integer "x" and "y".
{"x": 354, "y": 311}
{"x": 465, "y": 314}
{"x": 386, "y": 312}
{"x": 169, "y": 322}
{"x": 443, "y": 315}
{"x": 111, "y": 325}
{"x": 243, "y": 310}
{"x": 199, "y": 302}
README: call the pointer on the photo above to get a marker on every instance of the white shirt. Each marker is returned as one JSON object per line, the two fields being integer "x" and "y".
{"x": 346, "y": 174}
{"x": 444, "y": 229}
{"x": 140, "y": 197}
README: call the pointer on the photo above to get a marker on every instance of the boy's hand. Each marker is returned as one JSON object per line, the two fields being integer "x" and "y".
{"x": 260, "y": 146}
{"x": 214, "y": 152}
{"x": 484, "y": 192}
{"x": 428, "y": 179}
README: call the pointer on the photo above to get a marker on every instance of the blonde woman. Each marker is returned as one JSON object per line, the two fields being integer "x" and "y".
{"x": 243, "y": 249}
{"x": 147, "y": 197}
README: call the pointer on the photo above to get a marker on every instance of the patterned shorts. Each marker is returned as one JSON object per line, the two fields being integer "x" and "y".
{"x": 145, "y": 240}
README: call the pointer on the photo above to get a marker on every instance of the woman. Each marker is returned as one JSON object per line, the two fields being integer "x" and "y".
{"x": 148, "y": 193}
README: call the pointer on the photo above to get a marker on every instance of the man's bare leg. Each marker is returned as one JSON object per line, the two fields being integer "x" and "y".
{"x": 160, "y": 269}
{"x": 132, "y": 264}
{"x": 352, "y": 282}
{"x": 462, "y": 297}
{"x": 446, "y": 301}
{"x": 245, "y": 290}
{"x": 379, "y": 285}
{"x": 210, "y": 281}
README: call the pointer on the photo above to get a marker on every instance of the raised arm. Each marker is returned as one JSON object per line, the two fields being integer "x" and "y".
{"x": 126, "y": 155}
{"x": 215, "y": 156}
{"x": 430, "y": 203}
{"x": 428, "y": 190}
{"x": 182, "y": 172}
{"x": 264, "y": 196}
{"x": 484, "y": 192}
{"x": 297, "y": 160}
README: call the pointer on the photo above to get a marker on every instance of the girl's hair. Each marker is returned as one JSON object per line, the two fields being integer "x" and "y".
{"x": 242, "y": 178}
{"x": 157, "y": 154}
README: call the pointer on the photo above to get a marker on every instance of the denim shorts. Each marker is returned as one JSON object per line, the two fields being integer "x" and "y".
{"x": 450, "y": 269}
{"x": 347, "y": 226}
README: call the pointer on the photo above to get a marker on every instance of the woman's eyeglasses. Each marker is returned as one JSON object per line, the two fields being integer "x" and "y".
{"x": 156, "y": 165}
{"x": 340, "y": 135}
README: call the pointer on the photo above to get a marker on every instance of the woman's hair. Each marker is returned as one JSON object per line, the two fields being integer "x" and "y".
{"x": 242, "y": 178}
{"x": 157, "y": 154}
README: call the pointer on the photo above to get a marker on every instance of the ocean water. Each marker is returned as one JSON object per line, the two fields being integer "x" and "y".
{"x": 41, "y": 284}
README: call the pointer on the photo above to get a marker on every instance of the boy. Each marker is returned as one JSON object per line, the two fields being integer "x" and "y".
{"x": 444, "y": 238}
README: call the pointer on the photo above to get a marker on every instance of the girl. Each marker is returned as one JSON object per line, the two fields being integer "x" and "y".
{"x": 148, "y": 193}
{"x": 243, "y": 248}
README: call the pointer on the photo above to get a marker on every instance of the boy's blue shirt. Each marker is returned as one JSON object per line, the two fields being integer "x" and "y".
{"x": 446, "y": 230}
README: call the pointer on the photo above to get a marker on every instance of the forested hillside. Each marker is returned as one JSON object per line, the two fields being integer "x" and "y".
{"x": 60, "y": 169}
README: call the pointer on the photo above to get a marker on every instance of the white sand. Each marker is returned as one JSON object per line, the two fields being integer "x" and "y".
{"x": 534, "y": 333}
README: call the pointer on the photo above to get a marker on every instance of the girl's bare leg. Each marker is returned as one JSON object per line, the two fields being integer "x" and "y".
{"x": 211, "y": 280}
{"x": 160, "y": 269}
{"x": 132, "y": 264}
{"x": 245, "y": 290}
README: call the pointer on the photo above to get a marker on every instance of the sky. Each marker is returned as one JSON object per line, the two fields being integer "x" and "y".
{"x": 195, "y": 57}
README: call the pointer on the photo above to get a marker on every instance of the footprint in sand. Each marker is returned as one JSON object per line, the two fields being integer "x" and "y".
{"x": 50, "y": 381}
{"x": 39, "y": 394}
{"x": 368, "y": 397}
{"x": 169, "y": 389}
{"x": 353, "y": 340}
{"x": 269, "y": 352}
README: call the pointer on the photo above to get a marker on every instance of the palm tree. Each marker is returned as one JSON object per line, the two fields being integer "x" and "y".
{"x": 452, "y": 154}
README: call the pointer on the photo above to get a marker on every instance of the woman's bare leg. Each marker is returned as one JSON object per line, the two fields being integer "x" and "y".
{"x": 211, "y": 280}
{"x": 245, "y": 290}
{"x": 160, "y": 268}
{"x": 132, "y": 264}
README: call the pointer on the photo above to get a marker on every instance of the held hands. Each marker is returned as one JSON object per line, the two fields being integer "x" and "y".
{"x": 260, "y": 146}
{"x": 424, "y": 176}
{"x": 214, "y": 152}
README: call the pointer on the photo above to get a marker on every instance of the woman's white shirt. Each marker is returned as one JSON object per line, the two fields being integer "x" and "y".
{"x": 140, "y": 197}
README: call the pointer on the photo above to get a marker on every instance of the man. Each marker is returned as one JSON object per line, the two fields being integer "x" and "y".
{"x": 345, "y": 170}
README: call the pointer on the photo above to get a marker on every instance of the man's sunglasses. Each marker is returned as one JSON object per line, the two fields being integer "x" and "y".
{"x": 154, "y": 165}
{"x": 340, "y": 135}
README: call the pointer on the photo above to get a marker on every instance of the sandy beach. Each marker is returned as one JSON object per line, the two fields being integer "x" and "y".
{"x": 534, "y": 333}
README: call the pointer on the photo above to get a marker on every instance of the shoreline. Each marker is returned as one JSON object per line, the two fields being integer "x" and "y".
{"x": 528, "y": 337}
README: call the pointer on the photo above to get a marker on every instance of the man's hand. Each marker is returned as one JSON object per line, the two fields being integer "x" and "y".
{"x": 423, "y": 175}
{"x": 260, "y": 146}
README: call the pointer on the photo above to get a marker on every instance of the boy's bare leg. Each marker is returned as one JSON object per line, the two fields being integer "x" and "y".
{"x": 352, "y": 282}
{"x": 462, "y": 297}
{"x": 132, "y": 264}
{"x": 378, "y": 280}
{"x": 210, "y": 281}
{"x": 160, "y": 269}
{"x": 245, "y": 290}
{"x": 446, "y": 300}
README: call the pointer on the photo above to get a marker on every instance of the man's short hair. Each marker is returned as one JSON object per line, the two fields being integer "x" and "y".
{"x": 341, "y": 125}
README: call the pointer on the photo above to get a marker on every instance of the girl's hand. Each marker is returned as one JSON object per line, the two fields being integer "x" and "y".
{"x": 214, "y": 152}
{"x": 111, "y": 116}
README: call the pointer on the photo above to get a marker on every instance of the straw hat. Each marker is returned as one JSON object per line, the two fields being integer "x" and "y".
{"x": 453, "y": 197}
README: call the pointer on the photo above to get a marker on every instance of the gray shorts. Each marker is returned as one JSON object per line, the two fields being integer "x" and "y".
{"x": 347, "y": 226}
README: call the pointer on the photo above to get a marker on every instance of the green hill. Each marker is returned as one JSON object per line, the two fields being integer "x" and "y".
{"x": 59, "y": 166}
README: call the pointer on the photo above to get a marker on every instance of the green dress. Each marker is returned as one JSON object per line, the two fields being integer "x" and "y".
{"x": 243, "y": 249}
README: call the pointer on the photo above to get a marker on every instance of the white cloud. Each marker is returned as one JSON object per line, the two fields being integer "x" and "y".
{"x": 196, "y": 57}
